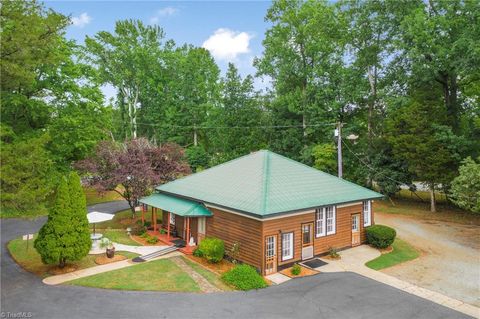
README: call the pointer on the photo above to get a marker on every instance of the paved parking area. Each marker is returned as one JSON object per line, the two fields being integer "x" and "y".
{"x": 327, "y": 295}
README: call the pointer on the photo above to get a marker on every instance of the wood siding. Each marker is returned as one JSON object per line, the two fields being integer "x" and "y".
{"x": 251, "y": 233}
{"x": 233, "y": 228}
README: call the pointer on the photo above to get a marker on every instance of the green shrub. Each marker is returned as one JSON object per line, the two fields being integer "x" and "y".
{"x": 138, "y": 230}
{"x": 333, "y": 253}
{"x": 197, "y": 253}
{"x": 148, "y": 224}
{"x": 145, "y": 235}
{"x": 212, "y": 249}
{"x": 296, "y": 270}
{"x": 152, "y": 240}
{"x": 163, "y": 231}
{"x": 244, "y": 277}
{"x": 380, "y": 236}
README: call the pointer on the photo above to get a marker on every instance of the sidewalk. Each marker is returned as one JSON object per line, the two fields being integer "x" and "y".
{"x": 354, "y": 260}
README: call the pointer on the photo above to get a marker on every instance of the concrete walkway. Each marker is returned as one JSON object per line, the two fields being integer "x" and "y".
{"x": 59, "y": 279}
{"x": 278, "y": 278}
{"x": 354, "y": 260}
{"x": 141, "y": 250}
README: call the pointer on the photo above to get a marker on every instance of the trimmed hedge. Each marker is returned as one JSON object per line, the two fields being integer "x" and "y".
{"x": 212, "y": 249}
{"x": 380, "y": 236}
{"x": 244, "y": 277}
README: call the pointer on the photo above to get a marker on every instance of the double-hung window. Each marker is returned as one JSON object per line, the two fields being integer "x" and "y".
{"x": 287, "y": 246}
{"x": 320, "y": 223}
{"x": 172, "y": 219}
{"x": 367, "y": 213}
{"x": 331, "y": 219}
{"x": 325, "y": 221}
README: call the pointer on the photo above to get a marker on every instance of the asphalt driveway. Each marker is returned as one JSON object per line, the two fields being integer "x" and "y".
{"x": 327, "y": 295}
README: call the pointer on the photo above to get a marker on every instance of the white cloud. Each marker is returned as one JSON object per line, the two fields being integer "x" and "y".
{"x": 164, "y": 12}
{"x": 81, "y": 20}
{"x": 226, "y": 44}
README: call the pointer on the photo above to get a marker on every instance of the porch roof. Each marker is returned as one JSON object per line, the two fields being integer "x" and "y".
{"x": 176, "y": 205}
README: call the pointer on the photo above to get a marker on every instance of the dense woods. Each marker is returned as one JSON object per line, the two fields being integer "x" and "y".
{"x": 402, "y": 76}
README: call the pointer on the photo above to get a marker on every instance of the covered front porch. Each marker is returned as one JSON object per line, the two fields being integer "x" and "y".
{"x": 183, "y": 221}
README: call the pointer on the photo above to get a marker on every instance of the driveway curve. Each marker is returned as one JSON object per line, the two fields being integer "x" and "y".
{"x": 327, "y": 295}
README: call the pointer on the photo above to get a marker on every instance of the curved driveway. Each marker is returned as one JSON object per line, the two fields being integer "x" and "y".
{"x": 327, "y": 295}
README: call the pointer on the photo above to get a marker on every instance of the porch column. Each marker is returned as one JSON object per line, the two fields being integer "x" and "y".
{"x": 187, "y": 234}
{"x": 153, "y": 209}
{"x": 143, "y": 214}
{"x": 155, "y": 221}
{"x": 184, "y": 228}
{"x": 168, "y": 226}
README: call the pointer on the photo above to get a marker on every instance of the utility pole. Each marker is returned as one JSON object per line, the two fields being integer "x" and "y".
{"x": 338, "y": 133}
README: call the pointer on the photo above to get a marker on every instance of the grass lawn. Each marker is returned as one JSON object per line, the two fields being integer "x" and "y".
{"x": 30, "y": 260}
{"x": 93, "y": 197}
{"x": 119, "y": 236}
{"x": 417, "y": 209}
{"x": 123, "y": 219}
{"x": 402, "y": 251}
{"x": 207, "y": 274}
{"x": 160, "y": 274}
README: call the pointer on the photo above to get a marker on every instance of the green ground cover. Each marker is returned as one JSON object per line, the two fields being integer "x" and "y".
{"x": 160, "y": 274}
{"x": 30, "y": 260}
{"x": 402, "y": 252}
{"x": 207, "y": 274}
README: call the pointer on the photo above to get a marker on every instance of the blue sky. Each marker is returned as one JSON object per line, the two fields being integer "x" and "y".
{"x": 232, "y": 30}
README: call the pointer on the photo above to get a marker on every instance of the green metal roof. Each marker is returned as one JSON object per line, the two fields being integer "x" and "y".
{"x": 176, "y": 205}
{"x": 264, "y": 184}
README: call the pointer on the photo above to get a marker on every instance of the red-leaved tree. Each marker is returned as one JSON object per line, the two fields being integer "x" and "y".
{"x": 137, "y": 166}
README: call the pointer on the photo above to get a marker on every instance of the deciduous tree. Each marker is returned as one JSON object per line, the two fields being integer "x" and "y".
{"x": 133, "y": 168}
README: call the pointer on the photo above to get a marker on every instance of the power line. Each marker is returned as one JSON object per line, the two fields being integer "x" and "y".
{"x": 372, "y": 168}
{"x": 236, "y": 127}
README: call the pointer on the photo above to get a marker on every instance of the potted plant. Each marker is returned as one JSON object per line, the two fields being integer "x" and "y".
{"x": 110, "y": 249}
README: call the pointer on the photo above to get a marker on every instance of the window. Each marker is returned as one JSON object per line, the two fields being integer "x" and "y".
{"x": 320, "y": 222}
{"x": 270, "y": 249}
{"x": 307, "y": 234}
{"x": 367, "y": 213}
{"x": 330, "y": 214}
{"x": 172, "y": 219}
{"x": 201, "y": 225}
{"x": 287, "y": 246}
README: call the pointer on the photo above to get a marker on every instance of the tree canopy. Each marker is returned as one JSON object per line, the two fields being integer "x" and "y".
{"x": 403, "y": 77}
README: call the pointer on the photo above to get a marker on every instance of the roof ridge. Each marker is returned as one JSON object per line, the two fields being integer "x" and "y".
{"x": 266, "y": 170}
{"x": 319, "y": 171}
{"x": 210, "y": 168}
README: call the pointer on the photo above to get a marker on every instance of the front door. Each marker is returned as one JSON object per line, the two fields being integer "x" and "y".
{"x": 307, "y": 241}
{"x": 355, "y": 229}
{"x": 270, "y": 254}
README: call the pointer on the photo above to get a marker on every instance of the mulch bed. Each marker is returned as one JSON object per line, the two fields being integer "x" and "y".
{"x": 331, "y": 258}
{"x": 303, "y": 272}
{"x": 387, "y": 250}
{"x": 102, "y": 260}
{"x": 60, "y": 271}
{"x": 218, "y": 268}
{"x": 143, "y": 241}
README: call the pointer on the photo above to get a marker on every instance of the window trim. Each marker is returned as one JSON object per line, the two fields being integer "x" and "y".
{"x": 324, "y": 222}
{"x": 292, "y": 246}
{"x": 368, "y": 211}
{"x": 334, "y": 224}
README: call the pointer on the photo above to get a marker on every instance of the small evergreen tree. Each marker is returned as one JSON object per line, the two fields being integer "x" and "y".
{"x": 65, "y": 236}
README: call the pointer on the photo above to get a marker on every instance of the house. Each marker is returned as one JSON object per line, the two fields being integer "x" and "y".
{"x": 279, "y": 211}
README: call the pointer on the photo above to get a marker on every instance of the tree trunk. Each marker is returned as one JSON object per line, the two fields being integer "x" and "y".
{"x": 195, "y": 137}
{"x": 433, "y": 207}
{"x": 62, "y": 263}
